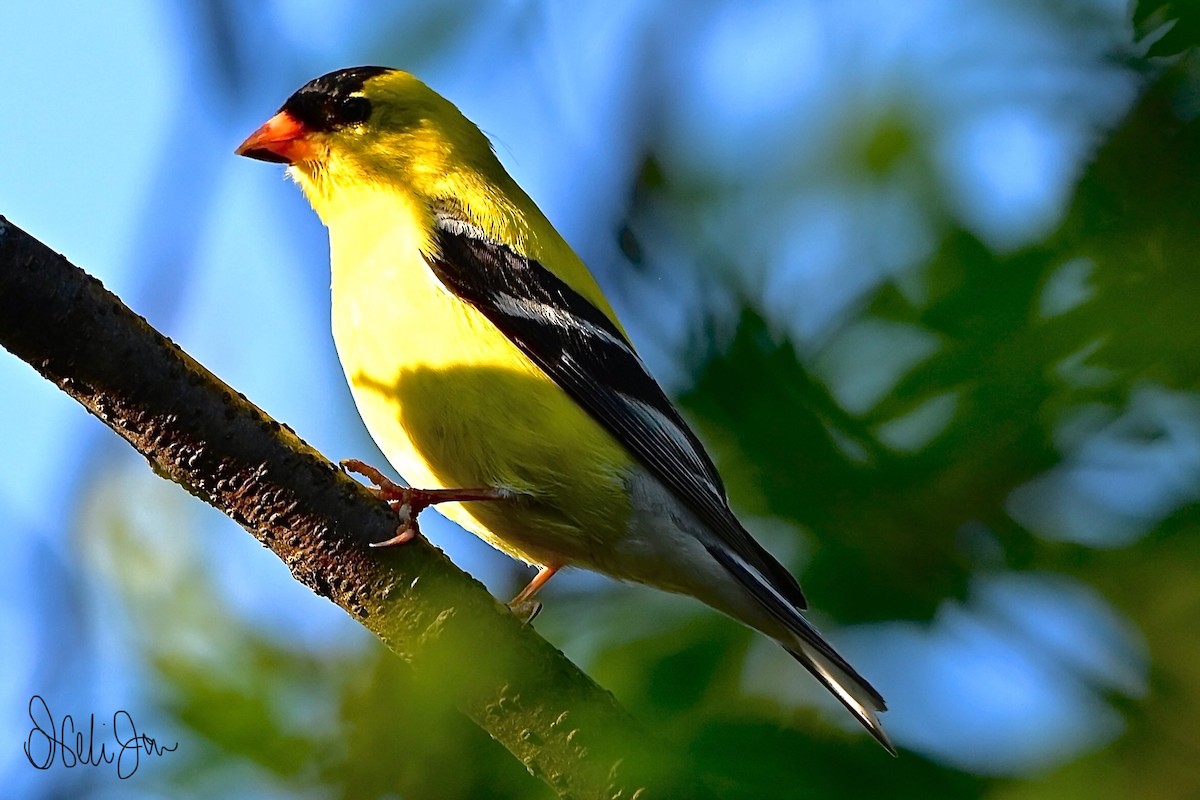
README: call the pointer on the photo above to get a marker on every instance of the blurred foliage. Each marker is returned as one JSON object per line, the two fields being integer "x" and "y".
{"x": 1169, "y": 27}
{"x": 900, "y": 503}
{"x": 889, "y": 520}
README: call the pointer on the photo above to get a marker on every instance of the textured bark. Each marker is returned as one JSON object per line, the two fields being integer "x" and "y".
{"x": 208, "y": 438}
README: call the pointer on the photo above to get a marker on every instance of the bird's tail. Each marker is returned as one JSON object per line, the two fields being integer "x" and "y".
{"x": 841, "y": 679}
{"x": 806, "y": 644}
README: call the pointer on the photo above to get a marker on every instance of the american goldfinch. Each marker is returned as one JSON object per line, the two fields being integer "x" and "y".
{"x": 493, "y": 373}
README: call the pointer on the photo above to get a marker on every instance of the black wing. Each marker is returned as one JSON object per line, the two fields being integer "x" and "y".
{"x": 575, "y": 344}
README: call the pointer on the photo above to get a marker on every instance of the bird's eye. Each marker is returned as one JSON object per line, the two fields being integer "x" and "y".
{"x": 353, "y": 110}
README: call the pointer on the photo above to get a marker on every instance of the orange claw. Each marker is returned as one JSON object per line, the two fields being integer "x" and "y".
{"x": 404, "y": 535}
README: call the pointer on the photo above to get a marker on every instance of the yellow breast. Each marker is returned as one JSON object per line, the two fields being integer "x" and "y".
{"x": 452, "y": 402}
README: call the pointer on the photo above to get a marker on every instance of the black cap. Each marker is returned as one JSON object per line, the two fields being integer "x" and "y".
{"x": 331, "y": 101}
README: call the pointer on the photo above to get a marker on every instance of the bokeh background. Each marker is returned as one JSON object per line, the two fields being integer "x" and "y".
{"x": 923, "y": 274}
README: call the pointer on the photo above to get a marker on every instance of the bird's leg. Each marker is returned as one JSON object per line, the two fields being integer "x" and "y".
{"x": 408, "y": 502}
{"x": 523, "y": 605}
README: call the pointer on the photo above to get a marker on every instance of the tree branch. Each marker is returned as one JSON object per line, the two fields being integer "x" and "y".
{"x": 208, "y": 438}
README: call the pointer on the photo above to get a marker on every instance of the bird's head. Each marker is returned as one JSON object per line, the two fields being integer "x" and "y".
{"x": 371, "y": 125}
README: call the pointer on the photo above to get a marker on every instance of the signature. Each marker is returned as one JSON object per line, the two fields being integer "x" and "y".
{"x": 47, "y": 741}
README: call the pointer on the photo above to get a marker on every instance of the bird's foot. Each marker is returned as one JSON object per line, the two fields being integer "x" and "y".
{"x": 408, "y": 502}
{"x": 525, "y": 611}
{"x": 523, "y": 605}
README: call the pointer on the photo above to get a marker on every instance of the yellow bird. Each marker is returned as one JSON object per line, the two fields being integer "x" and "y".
{"x": 494, "y": 375}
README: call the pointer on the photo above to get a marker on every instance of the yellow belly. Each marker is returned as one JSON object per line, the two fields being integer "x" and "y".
{"x": 451, "y": 402}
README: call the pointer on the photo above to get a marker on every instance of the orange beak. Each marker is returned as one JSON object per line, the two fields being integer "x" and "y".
{"x": 281, "y": 140}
